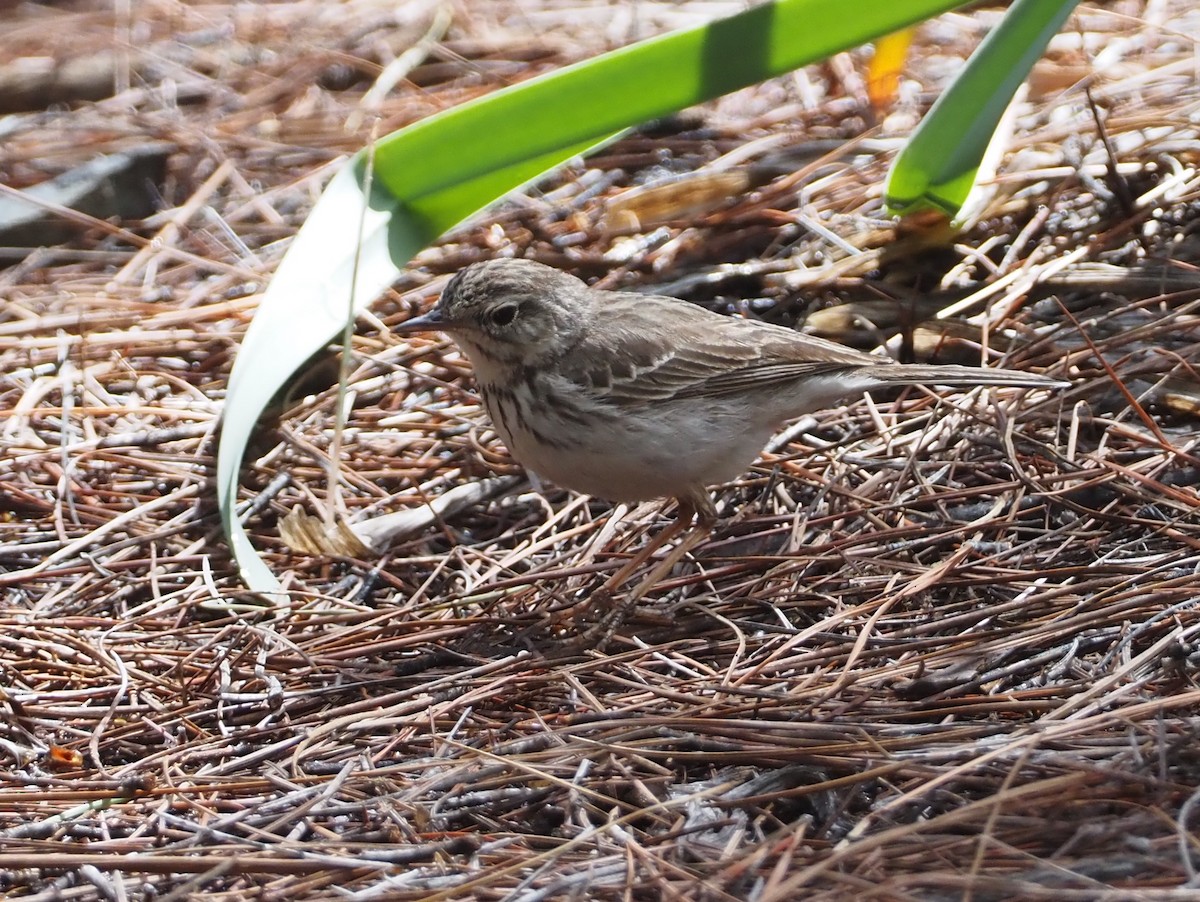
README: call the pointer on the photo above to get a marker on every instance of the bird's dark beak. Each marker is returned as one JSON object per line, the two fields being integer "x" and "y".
{"x": 433, "y": 321}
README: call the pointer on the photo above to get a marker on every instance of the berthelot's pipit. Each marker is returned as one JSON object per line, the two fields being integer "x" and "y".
{"x": 631, "y": 397}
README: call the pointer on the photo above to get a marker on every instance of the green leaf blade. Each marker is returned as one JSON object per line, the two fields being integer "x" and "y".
{"x": 937, "y": 168}
{"x": 583, "y": 104}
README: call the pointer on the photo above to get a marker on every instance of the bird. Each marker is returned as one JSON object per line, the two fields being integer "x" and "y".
{"x": 631, "y": 397}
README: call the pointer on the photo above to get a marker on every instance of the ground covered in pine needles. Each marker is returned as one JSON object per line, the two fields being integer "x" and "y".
{"x": 938, "y": 646}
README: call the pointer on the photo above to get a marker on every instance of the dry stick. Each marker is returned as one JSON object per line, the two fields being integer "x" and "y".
{"x": 540, "y": 775}
{"x": 417, "y": 699}
{"x": 1022, "y": 281}
{"x": 127, "y": 236}
{"x": 1043, "y": 788}
{"x": 78, "y": 545}
{"x": 169, "y": 234}
{"x": 238, "y": 863}
{"x": 399, "y": 68}
{"x": 586, "y": 836}
{"x": 989, "y": 824}
{"x": 133, "y": 314}
{"x": 1033, "y": 737}
{"x": 1164, "y": 443}
{"x": 1116, "y": 182}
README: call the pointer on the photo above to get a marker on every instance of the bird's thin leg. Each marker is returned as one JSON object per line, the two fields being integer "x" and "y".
{"x": 696, "y": 506}
{"x": 683, "y": 519}
{"x": 705, "y": 517}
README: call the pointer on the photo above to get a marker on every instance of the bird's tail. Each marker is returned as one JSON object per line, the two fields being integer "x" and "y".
{"x": 951, "y": 374}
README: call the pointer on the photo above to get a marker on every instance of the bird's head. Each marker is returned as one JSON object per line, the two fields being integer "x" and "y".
{"x": 514, "y": 312}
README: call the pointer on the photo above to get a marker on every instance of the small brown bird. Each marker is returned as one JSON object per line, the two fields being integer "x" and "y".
{"x": 631, "y": 397}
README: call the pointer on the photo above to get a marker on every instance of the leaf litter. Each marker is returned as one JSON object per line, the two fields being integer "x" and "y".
{"x": 937, "y": 647}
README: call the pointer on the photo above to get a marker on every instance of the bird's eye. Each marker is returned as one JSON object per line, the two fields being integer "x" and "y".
{"x": 504, "y": 315}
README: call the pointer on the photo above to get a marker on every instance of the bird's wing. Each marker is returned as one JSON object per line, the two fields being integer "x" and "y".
{"x": 650, "y": 349}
